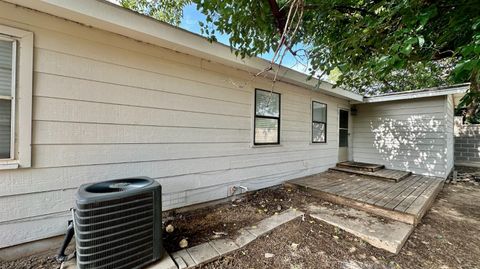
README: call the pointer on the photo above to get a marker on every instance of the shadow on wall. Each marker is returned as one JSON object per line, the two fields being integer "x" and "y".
{"x": 414, "y": 144}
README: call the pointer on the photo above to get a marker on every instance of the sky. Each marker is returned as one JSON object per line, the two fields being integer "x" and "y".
{"x": 190, "y": 22}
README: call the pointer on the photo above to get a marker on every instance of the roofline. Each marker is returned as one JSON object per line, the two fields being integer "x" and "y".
{"x": 430, "y": 92}
{"x": 113, "y": 18}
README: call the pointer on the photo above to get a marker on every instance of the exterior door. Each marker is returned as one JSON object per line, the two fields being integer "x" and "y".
{"x": 343, "y": 135}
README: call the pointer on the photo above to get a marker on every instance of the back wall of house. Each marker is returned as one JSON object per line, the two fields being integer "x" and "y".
{"x": 107, "y": 107}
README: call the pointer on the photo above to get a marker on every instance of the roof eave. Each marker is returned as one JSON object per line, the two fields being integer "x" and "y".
{"x": 458, "y": 89}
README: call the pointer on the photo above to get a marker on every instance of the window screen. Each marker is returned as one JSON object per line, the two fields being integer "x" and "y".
{"x": 267, "y": 118}
{"x": 319, "y": 122}
{"x": 7, "y": 67}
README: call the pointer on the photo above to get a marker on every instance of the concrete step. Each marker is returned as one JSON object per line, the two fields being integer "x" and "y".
{"x": 385, "y": 234}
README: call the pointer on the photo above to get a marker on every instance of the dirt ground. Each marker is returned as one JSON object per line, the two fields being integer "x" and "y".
{"x": 448, "y": 237}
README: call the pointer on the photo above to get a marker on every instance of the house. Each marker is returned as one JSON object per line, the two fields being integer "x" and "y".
{"x": 90, "y": 91}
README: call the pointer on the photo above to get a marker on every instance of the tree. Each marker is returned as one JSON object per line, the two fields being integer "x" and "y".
{"x": 368, "y": 46}
{"x": 377, "y": 46}
{"x": 164, "y": 10}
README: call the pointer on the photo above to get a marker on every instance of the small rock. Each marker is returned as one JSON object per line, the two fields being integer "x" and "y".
{"x": 362, "y": 256}
{"x": 269, "y": 255}
{"x": 335, "y": 237}
{"x": 169, "y": 228}
{"x": 279, "y": 207}
{"x": 294, "y": 246}
{"x": 374, "y": 259}
{"x": 183, "y": 243}
{"x": 352, "y": 249}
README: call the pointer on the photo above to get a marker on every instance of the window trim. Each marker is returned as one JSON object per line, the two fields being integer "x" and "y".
{"x": 255, "y": 116}
{"x": 324, "y": 123}
{"x": 22, "y": 97}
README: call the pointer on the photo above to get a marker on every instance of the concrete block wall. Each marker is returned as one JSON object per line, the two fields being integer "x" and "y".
{"x": 467, "y": 143}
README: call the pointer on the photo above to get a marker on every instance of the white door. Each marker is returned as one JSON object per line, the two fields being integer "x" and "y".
{"x": 343, "y": 135}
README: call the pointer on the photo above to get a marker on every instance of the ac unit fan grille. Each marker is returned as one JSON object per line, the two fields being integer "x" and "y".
{"x": 116, "y": 233}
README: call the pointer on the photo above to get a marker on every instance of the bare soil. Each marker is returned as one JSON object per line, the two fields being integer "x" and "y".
{"x": 448, "y": 237}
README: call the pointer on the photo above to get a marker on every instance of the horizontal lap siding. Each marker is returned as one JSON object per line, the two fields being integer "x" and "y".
{"x": 108, "y": 107}
{"x": 406, "y": 135}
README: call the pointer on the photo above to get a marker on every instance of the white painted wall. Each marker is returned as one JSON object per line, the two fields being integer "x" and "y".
{"x": 409, "y": 135}
{"x": 107, "y": 107}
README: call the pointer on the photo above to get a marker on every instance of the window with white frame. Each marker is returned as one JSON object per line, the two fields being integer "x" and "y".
{"x": 7, "y": 97}
{"x": 319, "y": 122}
{"x": 16, "y": 85}
{"x": 267, "y": 118}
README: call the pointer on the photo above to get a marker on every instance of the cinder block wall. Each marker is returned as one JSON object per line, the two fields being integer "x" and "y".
{"x": 467, "y": 143}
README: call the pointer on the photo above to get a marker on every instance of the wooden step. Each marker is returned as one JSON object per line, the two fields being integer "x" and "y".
{"x": 369, "y": 167}
{"x": 384, "y": 174}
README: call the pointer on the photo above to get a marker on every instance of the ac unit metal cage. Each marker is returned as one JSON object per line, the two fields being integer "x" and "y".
{"x": 118, "y": 224}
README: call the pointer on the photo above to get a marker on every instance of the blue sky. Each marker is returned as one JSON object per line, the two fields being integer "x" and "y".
{"x": 191, "y": 18}
{"x": 190, "y": 22}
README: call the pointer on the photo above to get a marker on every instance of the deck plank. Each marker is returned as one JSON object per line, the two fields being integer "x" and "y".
{"x": 393, "y": 194}
{"x": 405, "y": 193}
{"x": 403, "y": 206}
{"x": 423, "y": 201}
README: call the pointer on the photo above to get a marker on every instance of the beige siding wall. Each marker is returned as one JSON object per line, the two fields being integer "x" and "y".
{"x": 107, "y": 107}
{"x": 406, "y": 135}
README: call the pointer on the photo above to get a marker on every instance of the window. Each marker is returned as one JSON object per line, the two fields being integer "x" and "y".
{"x": 319, "y": 122}
{"x": 16, "y": 81}
{"x": 7, "y": 97}
{"x": 267, "y": 118}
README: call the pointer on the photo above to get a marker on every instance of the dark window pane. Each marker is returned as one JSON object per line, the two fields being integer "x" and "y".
{"x": 344, "y": 119}
{"x": 6, "y": 52}
{"x": 267, "y": 103}
{"x": 5, "y": 128}
{"x": 266, "y": 131}
{"x": 318, "y": 132}
{"x": 343, "y": 138}
{"x": 319, "y": 112}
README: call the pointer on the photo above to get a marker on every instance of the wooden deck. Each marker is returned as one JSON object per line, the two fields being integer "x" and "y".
{"x": 406, "y": 201}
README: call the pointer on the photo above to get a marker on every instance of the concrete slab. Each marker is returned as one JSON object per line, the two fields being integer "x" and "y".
{"x": 385, "y": 234}
{"x": 274, "y": 221}
{"x": 203, "y": 253}
{"x": 166, "y": 262}
{"x": 70, "y": 264}
{"x": 185, "y": 257}
{"x": 244, "y": 238}
{"x": 223, "y": 246}
{"x": 180, "y": 263}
